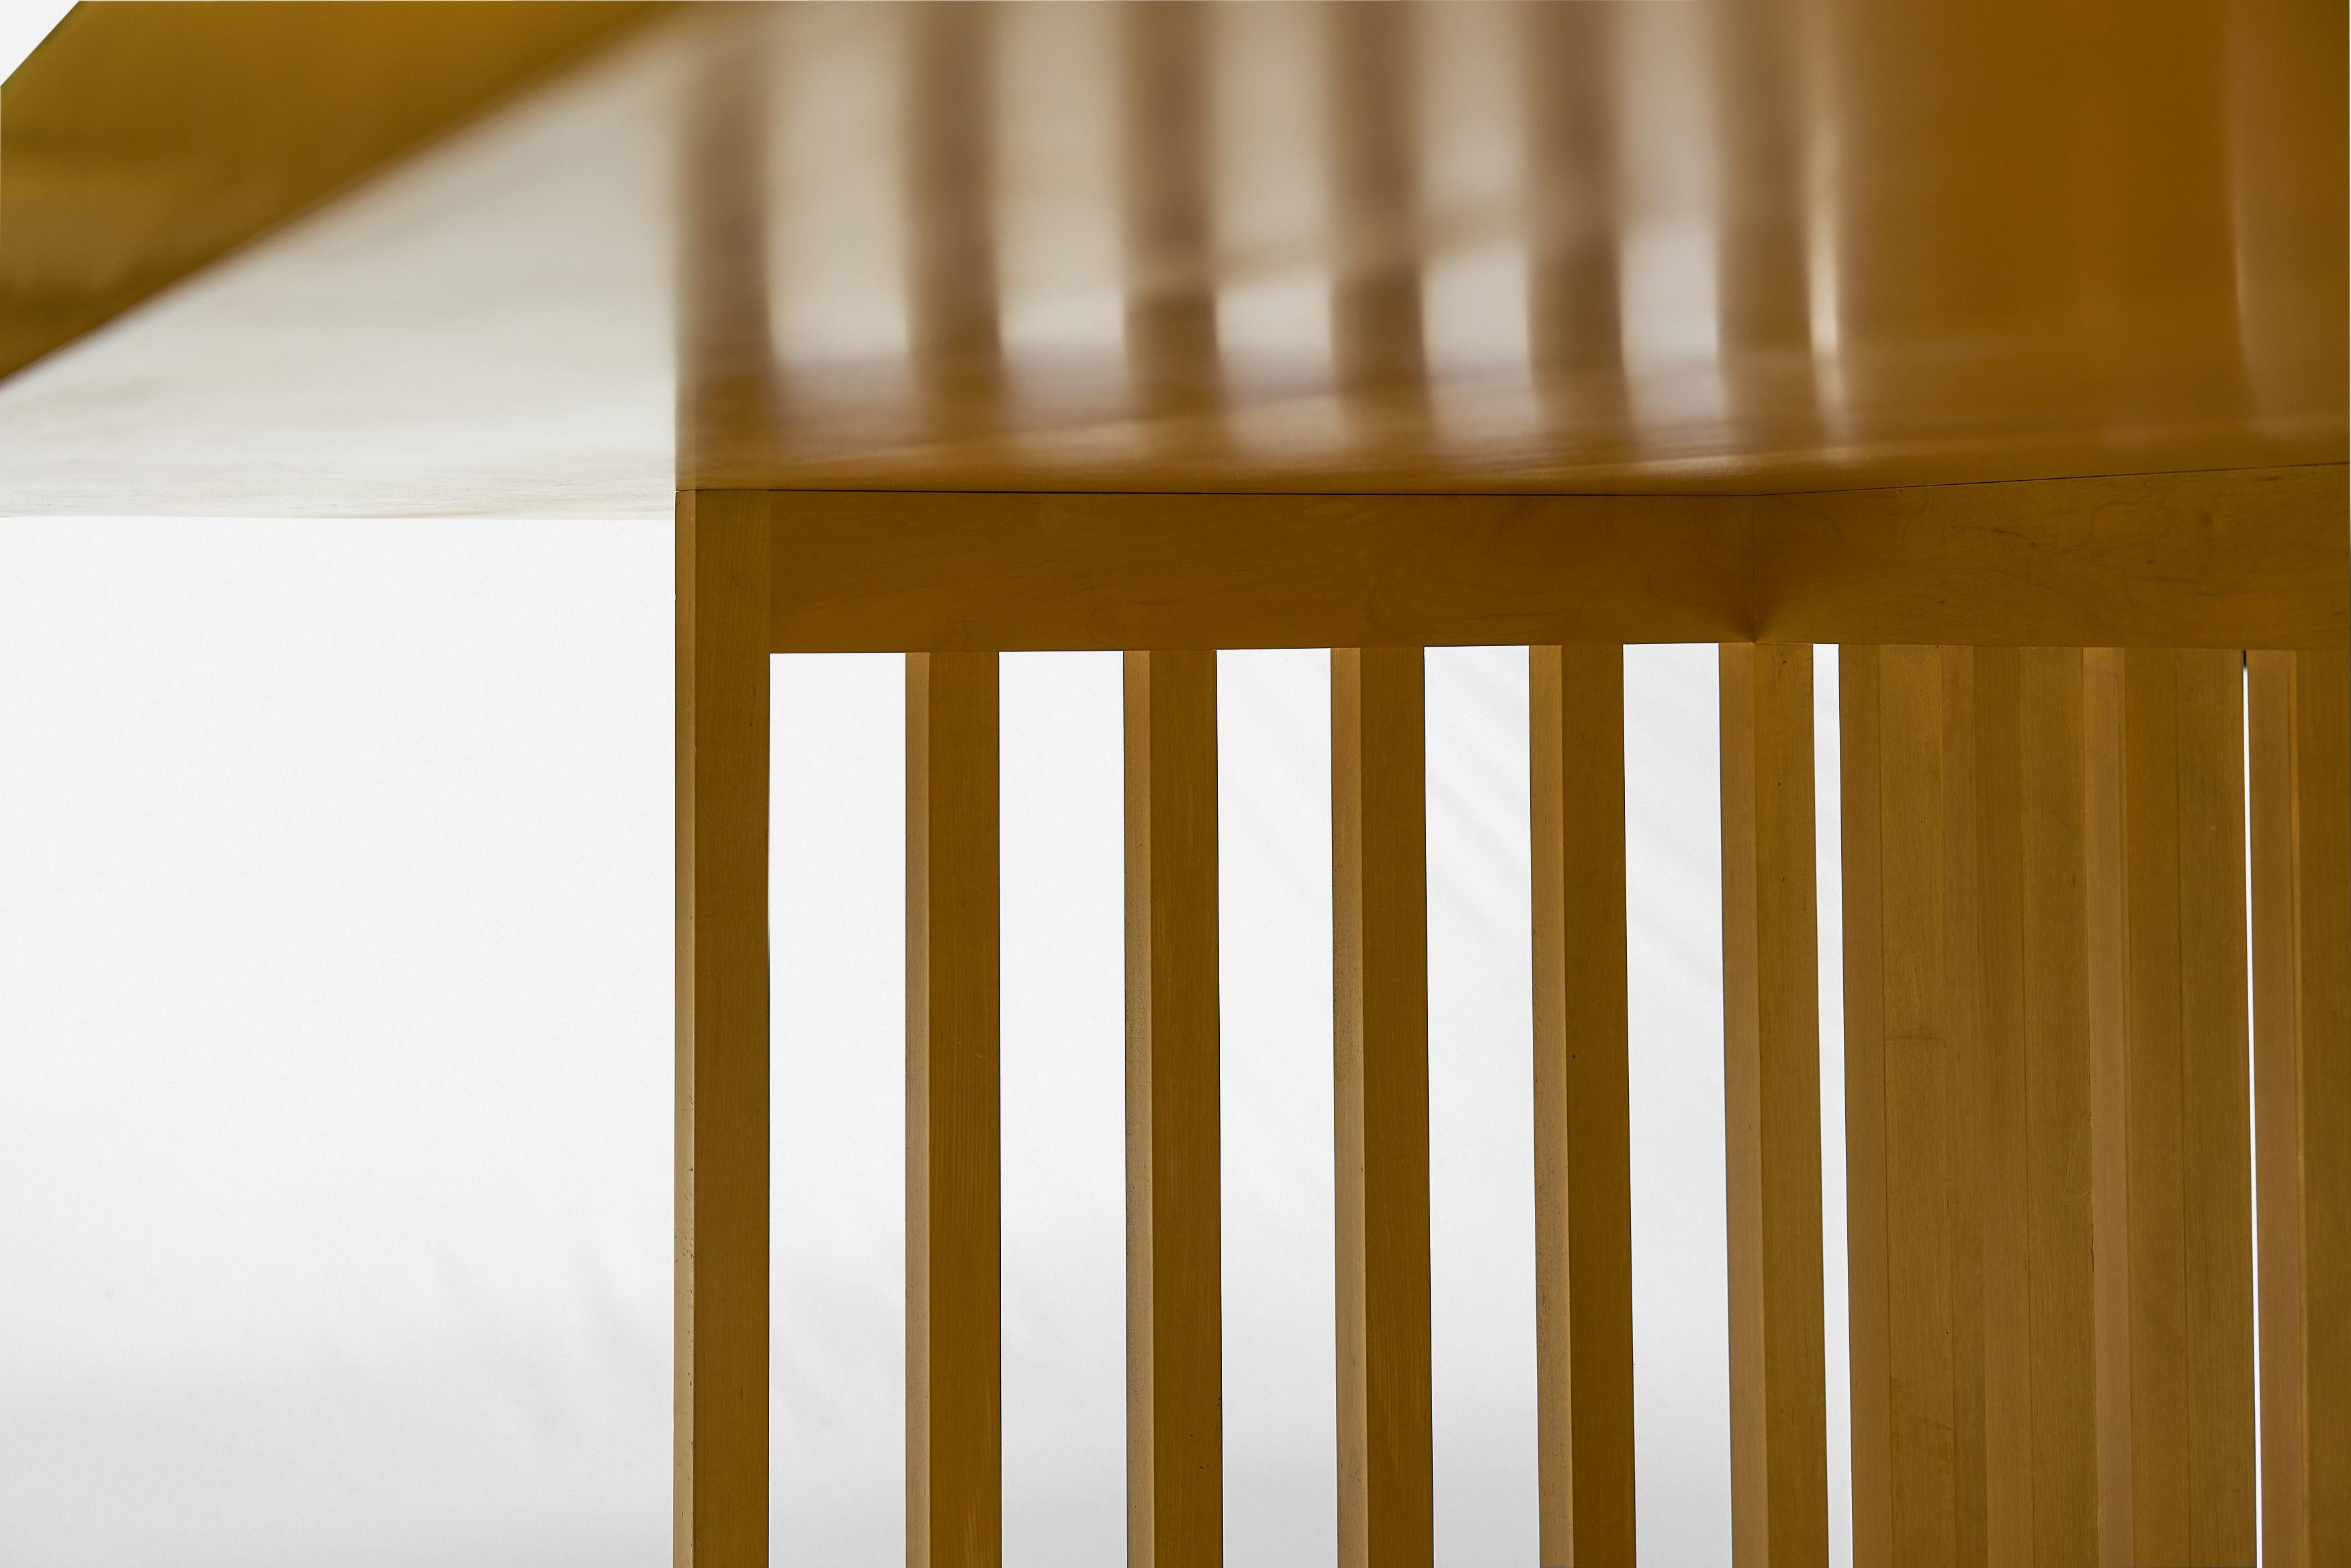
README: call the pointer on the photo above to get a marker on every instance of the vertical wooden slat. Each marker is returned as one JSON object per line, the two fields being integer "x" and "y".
{"x": 2053, "y": 937}
{"x": 2301, "y": 715}
{"x": 1905, "y": 1056}
{"x": 2171, "y": 1138}
{"x": 954, "y": 1447}
{"x": 720, "y": 1492}
{"x": 1380, "y": 941}
{"x": 1175, "y": 1495}
{"x": 1583, "y": 1234}
{"x": 1779, "y": 1464}
{"x": 1989, "y": 730}
{"x": 1967, "y": 1115}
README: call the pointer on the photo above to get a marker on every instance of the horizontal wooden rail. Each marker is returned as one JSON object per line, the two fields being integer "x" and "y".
{"x": 2234, "y": 560}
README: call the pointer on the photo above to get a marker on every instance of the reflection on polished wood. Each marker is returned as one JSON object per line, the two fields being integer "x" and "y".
{"x": 1737, "y": 246}
{"x": 143, "y": 139}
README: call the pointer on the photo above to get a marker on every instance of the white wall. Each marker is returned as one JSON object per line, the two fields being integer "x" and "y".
{"x": 334, "y": 1070}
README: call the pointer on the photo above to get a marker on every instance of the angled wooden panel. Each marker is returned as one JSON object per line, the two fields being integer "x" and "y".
{"x": 1380, "y": 938}
{"x": 1583, "y": 1228}
{"x": 1779, "y": 1454}
{"x": 2300, "y": 717}
{"x": 1966, "y": 1094}
{"x": 720, "y": 1494}
{"x": 1175, "y": 1447}
{"x": 954, "y": 1425}
{"x": 2170, "y": 1127}
{"x": 146, "y": 140}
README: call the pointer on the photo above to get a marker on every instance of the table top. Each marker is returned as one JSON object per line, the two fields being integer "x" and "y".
{"x": 1722, "y": 246}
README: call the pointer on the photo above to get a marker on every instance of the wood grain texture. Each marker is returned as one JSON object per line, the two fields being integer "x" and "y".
{"x": 2301, "y": 721}
{"x": 719, "y": 1490}
{"x": 1779, "y": 1459}
{"x": 1174, "y": 1302}
{"x": 2053, "y": 959}
{"x": 1584, "y": 1226}
{"x": 2170, "y": 1117}
{"x": 1380, "y": 941}
{"x": 2245, "y": 559}
{"x": 954, "y": 1425}
{"x": 1966, "y": 1105}
{"x": 2257, "y": 558}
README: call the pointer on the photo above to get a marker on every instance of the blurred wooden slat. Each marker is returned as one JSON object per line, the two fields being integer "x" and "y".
{"x": 1584, "y": 1228}
{"x": 2171, "y": 1128}
{"x": 2300, "y": 717}
{"x": 1967, "y": 1110}
{"x": 2260, "y": 559}
{"x": 1779, "y": 1456}
{"x": 720, "y": 1487}
{"x": 1175, "y": 1450}
{"x": 954, "y": 1436}
{"x": 1380, "y": 933}
{"x": 144, "y": 140}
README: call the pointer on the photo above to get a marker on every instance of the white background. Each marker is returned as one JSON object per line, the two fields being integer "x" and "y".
{"x": 335, "y": 1011}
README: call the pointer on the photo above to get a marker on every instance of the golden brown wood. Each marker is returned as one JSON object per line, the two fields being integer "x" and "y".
{"x": 2203, "y": 560}
{"x": 1583, "y": 1228}
{"x": 2171, "y": 1134}
{"x": 1908, "y": 1054}
{"x": 954, "y": 1427}
{"x": 144, "y": 140}
{"x": 1380, "y": 935}
{"x": 1968, "y": 1111}
{"x": 2301, "y": 720}
{"x": 2251, "y": 558}
{"x": 1779, "y": 1457}
{"x": 1175, "y": 1304}
{"x": 2116, "y": 252}
{"x": 2053, "y": 922}
{"x": 719, "y": 1503}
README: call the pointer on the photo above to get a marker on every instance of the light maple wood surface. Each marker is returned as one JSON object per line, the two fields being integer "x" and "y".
{"x": 2257, "y": 558}
{"x": 1583, "y": 1221}
{"x": 2171, "y": 1134}
{"x": 1771, "y": 1106}
{"x": 1379, "y": 914}
{"x": 1968, "y": 1121}
{"x": 955, "y": 1505}
{"x": 1734, "y": 246}
{"x": 1174, "y": 1274}
{"x": 2300, "y": 712}
{"x": 719, "y": 1488}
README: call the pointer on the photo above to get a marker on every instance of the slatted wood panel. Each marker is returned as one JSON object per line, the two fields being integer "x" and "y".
{"x": 2301, "y": 720}
{"x": 1380, "y": 936}
{"x": 954, "y": 1399}
{"x": 1174, "y": 1304}
{"x": 1583, "y": 1230}
{"x": 719, "y": 1490}
{"x": 1968, "y": 1111}
{"x": 1779, "y": 1451}
{"x": 2170, "y": 1133}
